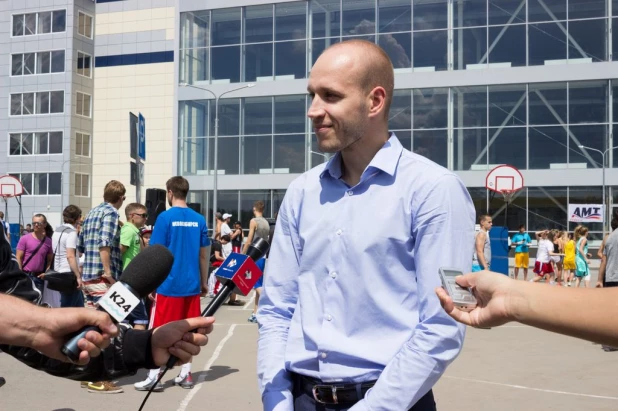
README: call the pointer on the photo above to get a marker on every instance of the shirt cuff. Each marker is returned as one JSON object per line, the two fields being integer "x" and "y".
{"x": 137, "y": 349}
{"x": 278, "y": 401}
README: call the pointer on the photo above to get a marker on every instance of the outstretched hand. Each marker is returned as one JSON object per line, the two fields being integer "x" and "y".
{"x": 492, "y": 292}
{"x": 177, "y": 339}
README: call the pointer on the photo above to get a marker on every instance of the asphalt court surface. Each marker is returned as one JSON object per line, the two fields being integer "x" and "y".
{"x": 512, "y": 367}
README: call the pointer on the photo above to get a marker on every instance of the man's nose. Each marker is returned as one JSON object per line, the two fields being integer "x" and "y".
{"x": 316, "y": 109}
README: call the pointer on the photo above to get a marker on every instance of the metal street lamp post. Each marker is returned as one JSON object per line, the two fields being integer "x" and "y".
{"x": 603, "y": 159}
{"x": 216, "y": 148}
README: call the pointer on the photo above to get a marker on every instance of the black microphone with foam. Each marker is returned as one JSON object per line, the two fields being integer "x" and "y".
{"x": 143, "y": 275}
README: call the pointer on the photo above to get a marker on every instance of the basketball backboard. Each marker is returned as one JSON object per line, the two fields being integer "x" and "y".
{"x": 10, "y": 186}
{"x": 504, "y": 179}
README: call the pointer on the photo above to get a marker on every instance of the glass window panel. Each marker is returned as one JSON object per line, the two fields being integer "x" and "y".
{"x": 87, "y": 26}
{"x": 291, "y": 21}
{"x": 615, "y": 7}
{"x": 508, "y": 146}
{"x": 27, "y": 144}
{"x": 290, "y": 59}
{"x": 54, "y": 184}
{"x": 431, "y": 144}
{"x": 367, "y": 37}
{"x": 398, "y": 46}
{"x": 506, "y": 11}
{"x": 193, "y": 65}
{"x": 225, "y": 26}
{"x": 546, "y": 42}
{"x": 15, "y": 144}
{"x": 196, "y": 154}
{"x": 615, "y": 39}
{"x": 290, "y": 153}
{"x": 479, "y": 198}
{"x": 257, "y": 154}
{"x": 55, "y": 143}
{"x": 469, "y": 106}
{"x": 318, "y": 46}
{"x": 615, "y": 98}
{"x": 56, "y": 102}
{"x": 359, "y": 17}
{"x": 317, "y": 157}
{"x": 395, "y": 16}
{"x": 546, "y": 10}
{"x": 259, "y": 23}
{"x": 470, "y": 148}
{"x": 79, "y": 144}
{"x": 229, "y": 118}
{"x": 588, "y": 40}
{"x": 194, "y": 29}
{"x": 247, "y": 199}
{"x": 40, "y": 184}
{"x": 30, "y": 28}
{"x": 79, "y": 103}
{"x": 470, "y": 48}
{"x": 228, "y": 155}
{"x": 87, "y": 104}
{"x": 542, "y": 98}
{"x": 430, "y": 108}
{"x": 258, "y": 61}
{"x": 81, "y": 24}
{"x": 57, "y": 61}
{"x": 59, "y": 21}
{"x": 29, "y": 63}
{"x": 405, "y": 138}
{"x": 547, "y": 208}
{"x": 507, "y": 105}
{"x": 16, "y": 104}
{"x": 584, "y": 9}
{"x": 41, "y": 143}
{"x": 18, "y": 25}
{"x": 468, "y": 13}
{"x": 43, "y": 62}
{"x": 83, "y": 64}
{"x": 226, "y": 64}
{"x": 400, "y": 114}
{"x": 430, "y": 50}
{"x": 44, "y": 22}
{"x": 42, "y": 102}
{"x": 511, "y": 218}
{"x": 548, "y": 148}
{"x": 290, "y": 114}
{"x": 258, "y": 115}
{"x": 17, "y": 65}
{"x": 28, "y": 103}
{"x": 430, "y": 14}
{"x": 587, "y": 195}
{"x": 26, "y": 181}
{"x": 326, "y": 15}
{"x": 588, "y": 102}
{"x": 507, "y": 44}
{"x": 227, "y": 202}
{"x": 78, "y": 184}
{"x": 589, "y": 136}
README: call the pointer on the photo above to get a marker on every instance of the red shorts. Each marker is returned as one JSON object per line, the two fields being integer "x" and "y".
{"x": 168, "y": 309}
{"x": 543, "y": 268}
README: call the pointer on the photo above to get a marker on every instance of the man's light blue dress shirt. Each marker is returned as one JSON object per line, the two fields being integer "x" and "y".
{"x": 349, "y": 285}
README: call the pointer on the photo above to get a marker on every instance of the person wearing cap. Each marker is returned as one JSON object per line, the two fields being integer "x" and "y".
{"x": 145, "y": 233}
{"x": 227, "y": 250}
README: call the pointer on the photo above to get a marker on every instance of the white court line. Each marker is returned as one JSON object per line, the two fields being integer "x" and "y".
{"x": 521, "y": 387}
{"x": 250, "y": 299}
{"x": 185, "y": 403}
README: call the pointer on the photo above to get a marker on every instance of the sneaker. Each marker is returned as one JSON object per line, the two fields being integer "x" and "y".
{"x": 186, "y": 383}
{"x": 147, "y": 384}
{"x": 84, "y": 384}
{"x": 252, "y": 319}
{"x": 104, "y": 387}
{"x": 607, "y": 348}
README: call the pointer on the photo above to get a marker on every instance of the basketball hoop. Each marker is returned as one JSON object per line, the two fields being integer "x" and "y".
{"x": 508, "y": 195}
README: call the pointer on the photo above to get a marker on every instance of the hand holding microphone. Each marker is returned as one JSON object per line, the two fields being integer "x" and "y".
{"x": 142, "y": 276}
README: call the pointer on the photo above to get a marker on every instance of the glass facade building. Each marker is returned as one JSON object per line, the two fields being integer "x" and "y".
{"x": 478, "y": 83}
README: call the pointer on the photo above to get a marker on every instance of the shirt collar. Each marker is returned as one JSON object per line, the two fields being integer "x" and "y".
{"x": 386, "y": 160}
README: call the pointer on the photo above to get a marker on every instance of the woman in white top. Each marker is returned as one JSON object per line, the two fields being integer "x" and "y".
{"x": 64, "y": 243}
{"x": 542, "y": 266}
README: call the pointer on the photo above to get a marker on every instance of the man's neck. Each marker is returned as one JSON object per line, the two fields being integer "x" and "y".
{"x": 356, "y": 157}
{"x": 256, "y": 214}
{"x": 179, "y": 203}
{"x": 39, "y": 235}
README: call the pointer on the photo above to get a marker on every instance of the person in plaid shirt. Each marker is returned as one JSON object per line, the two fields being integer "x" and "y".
{"x": 99, "y": 241}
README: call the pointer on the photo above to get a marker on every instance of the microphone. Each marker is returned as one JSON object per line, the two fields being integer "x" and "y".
{"x": 142, "y": 276}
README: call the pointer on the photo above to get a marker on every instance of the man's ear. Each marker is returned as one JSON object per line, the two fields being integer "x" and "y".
{"x": 377, "y": 103}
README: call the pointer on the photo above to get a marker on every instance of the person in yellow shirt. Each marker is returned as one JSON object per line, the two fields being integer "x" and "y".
{"x": 569, "y": 260}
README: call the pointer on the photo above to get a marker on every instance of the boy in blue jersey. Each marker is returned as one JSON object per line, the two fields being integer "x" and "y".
{"x": 185, "y": 234}
{"x": 521, "y": 241}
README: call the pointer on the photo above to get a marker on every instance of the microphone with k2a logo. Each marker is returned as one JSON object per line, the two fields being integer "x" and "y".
{"x": 142, "y": 276}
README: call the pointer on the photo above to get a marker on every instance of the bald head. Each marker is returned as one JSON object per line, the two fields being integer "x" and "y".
{"x": 371, "y": 67}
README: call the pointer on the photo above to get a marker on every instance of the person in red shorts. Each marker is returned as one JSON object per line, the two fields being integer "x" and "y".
{"x": 185, "y": 234}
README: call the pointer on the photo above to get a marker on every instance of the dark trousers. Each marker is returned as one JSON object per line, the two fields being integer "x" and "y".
{"x": 74, "y": 298}
{"x": 305, "y": 402}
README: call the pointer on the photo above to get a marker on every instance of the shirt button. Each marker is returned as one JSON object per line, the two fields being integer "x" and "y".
{"x": 350, "y": 192}
{"x": 333, "y": 275}
{"x": 329, "y": 317}
{"x": 323, "y": 355}
{"x": 339, "y": 232}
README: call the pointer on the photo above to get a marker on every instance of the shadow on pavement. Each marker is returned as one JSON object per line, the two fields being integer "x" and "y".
{"x": 214, "y": 373}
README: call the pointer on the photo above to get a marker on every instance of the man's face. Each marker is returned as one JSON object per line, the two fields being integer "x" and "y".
{"x": 146, "y": 238}
{"x": 522, "y": 230}
{"x": 487, "y": 223}
{"x": 169, "y": 197}
{"x": 39, "y": 224}
{"x": 339, "y": 106}
{"x": 138, "y": 218}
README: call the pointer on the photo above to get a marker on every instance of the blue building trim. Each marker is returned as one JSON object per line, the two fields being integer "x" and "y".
{"x": 131, "y": 59}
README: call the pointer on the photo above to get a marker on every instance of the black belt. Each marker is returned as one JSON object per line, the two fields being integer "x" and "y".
{"x": 335, "y": 393}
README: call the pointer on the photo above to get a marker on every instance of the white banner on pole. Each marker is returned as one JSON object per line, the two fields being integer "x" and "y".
{"x": 586, "y": 213}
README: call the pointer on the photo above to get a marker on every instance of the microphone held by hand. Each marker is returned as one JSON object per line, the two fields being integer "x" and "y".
{"x": 141, "y": 277}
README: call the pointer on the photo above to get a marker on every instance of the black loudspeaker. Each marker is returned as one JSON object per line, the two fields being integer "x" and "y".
{"x": 155, "y": 204}
{"x": 197, "y": 207}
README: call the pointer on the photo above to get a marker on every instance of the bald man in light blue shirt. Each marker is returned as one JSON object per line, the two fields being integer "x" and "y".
{"x": 349, "y": 318}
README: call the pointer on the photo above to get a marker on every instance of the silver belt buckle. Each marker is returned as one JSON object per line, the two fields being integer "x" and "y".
{"x": 317, "y": 398}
